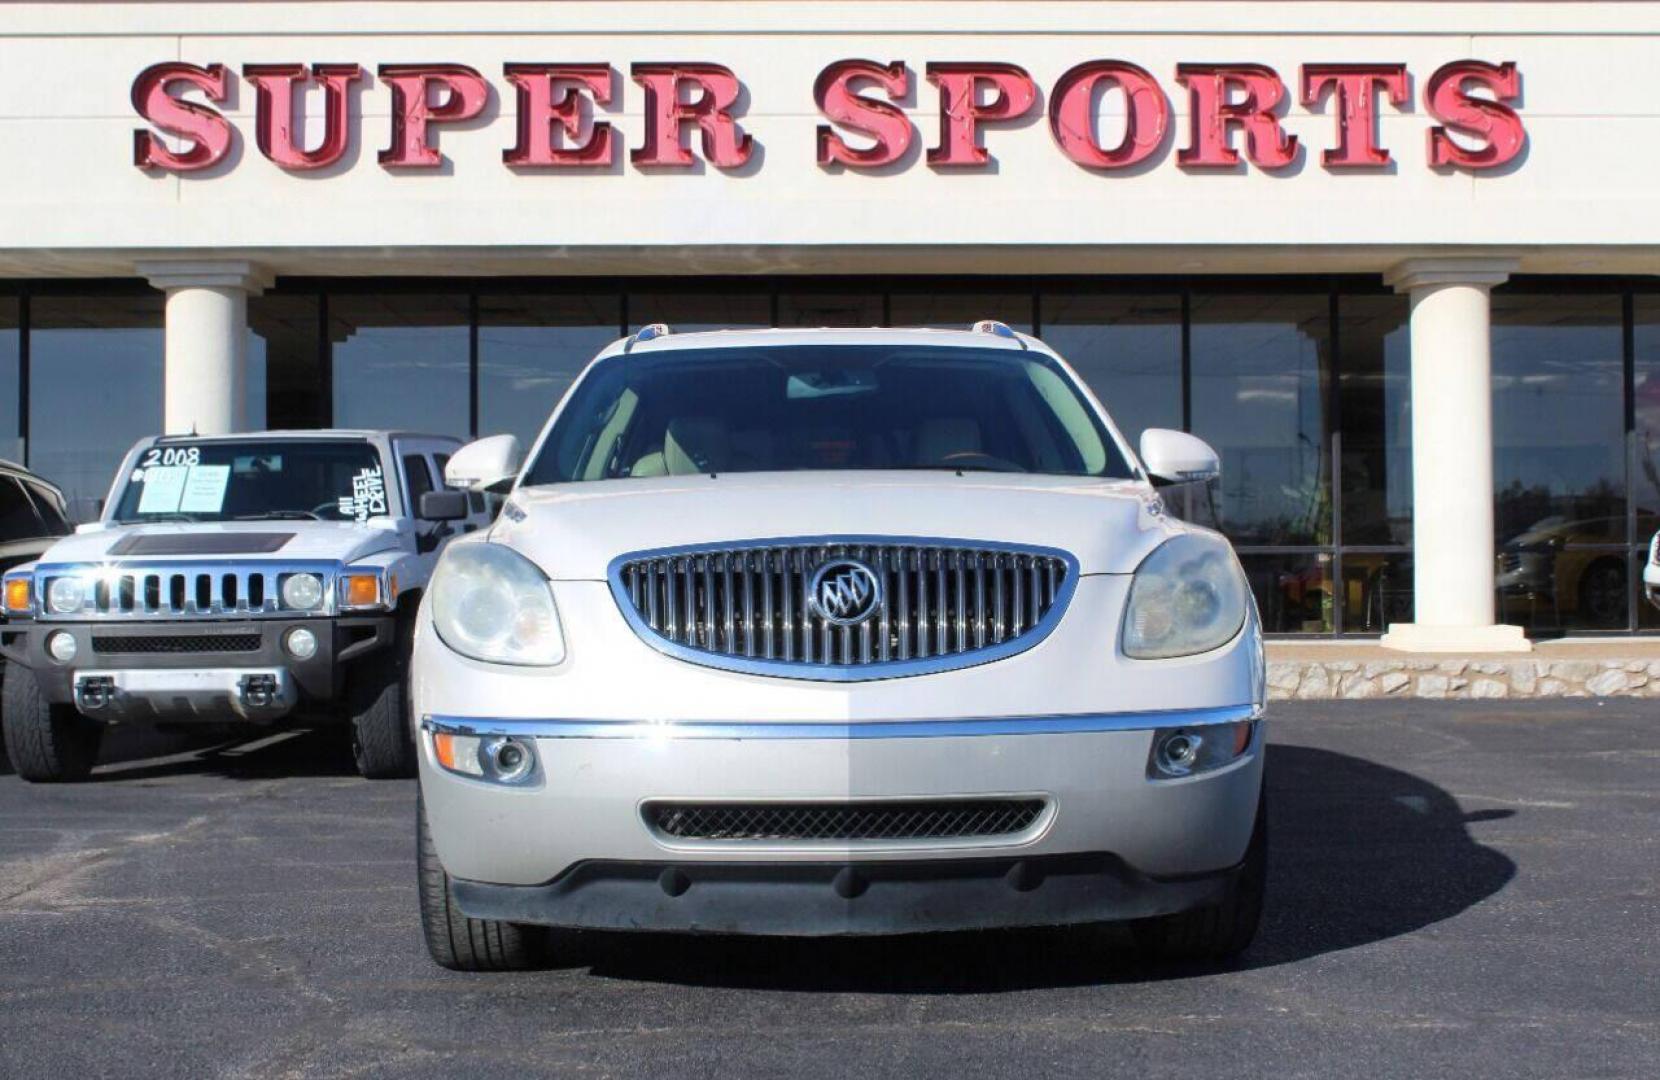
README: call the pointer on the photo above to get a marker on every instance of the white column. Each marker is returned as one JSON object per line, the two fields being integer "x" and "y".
{"x": 207, "y": 341}
{"x": 1452, "y": 457}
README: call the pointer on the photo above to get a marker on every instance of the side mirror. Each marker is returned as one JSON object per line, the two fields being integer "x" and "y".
{"x": 443, "y": 505}
{"x": 485, "y": 463}
{"x": 1175, "y": 457}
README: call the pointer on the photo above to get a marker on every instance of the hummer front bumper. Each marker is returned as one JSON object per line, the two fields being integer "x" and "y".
{"x": 194, "y": 671}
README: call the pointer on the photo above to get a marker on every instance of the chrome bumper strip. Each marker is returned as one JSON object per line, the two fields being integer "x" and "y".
{"x": 551, "y": 728}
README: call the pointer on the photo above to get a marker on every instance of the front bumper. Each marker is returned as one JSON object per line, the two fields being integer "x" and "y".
{"x": 137, "y": 679}
{"x": 813, "y": 899}
{"x": 587, "y": 802}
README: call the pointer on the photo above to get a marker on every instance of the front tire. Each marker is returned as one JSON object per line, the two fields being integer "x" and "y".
{"x": 47, "y": 744}
{"x": 1220, "y": 932}
{"x": 458, "y": 942}
{"x": 377, "y": 696}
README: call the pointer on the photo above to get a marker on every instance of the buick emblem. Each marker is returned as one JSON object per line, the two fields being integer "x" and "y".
{"x": 845, "y": 592}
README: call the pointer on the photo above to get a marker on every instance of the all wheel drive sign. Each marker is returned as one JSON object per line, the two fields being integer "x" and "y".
{"x": 693, "y": 113}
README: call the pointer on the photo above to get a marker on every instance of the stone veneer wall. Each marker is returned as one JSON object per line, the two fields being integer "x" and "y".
{"x": 1429, "y": 678}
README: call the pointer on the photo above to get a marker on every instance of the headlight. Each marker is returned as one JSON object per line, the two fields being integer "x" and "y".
{"x": 493, "y": 604}
{"x": 1187, "y": 597}
{"x": 65, "y": 594}
{"x": 302, "y": 592}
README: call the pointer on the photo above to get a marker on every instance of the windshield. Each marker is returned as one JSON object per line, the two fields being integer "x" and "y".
{"x": 787, "y": 407}
{"x": 255, "y": 480}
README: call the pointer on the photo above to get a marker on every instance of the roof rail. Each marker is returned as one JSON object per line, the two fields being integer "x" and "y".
{"x": 649, "y": 332}
{"x": 997, "y": 329}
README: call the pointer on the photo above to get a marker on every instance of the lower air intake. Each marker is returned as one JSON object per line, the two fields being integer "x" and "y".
{"x": 946, "y": 819}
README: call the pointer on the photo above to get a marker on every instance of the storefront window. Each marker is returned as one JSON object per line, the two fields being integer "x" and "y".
{"x": 1645, "y": 454}
{"x": 959, "y": 309}
{"x": 11, "y": 440}
{"x": 830, "y": 308}
{"x": 1261, "y": 374}
{"x": 1375, "y": 397}
{"x": 1293, "y": 591}
{"x": 401, "y": 362}
{"x": 530, "y": 350}
{"x": 690, "y": 310}
{"x": 1127, "y": 348}
{"x": 285, "y": 364}
{"x": 95, "y": 388}
{"x": 1376, "y": 591}
{"x": 1559, "y": 470}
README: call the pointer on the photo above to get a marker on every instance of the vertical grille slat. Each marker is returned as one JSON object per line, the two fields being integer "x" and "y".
{"x": 939, "y": 600}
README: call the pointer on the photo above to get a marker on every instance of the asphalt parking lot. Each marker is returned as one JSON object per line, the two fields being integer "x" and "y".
{"x": 1460, "y": 889}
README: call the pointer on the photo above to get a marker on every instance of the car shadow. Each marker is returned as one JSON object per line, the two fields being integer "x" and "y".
{"x": 1360, "y": 852}
{"x": 231, "y": 753}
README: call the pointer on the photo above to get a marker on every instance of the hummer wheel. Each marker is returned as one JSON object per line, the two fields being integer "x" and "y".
{"x": 47, "y": 744}
{"x": 377, "y": 695}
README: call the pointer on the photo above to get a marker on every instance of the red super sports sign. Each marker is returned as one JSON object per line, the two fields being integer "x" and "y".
{"x": 560, "y": 108}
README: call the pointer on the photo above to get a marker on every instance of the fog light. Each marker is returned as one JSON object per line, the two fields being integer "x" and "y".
{"x": 1177, "y": 753}
{"x": 60, "y": 645}
{"x": 301, "y": 643}
{"x": 302, "y": 592}
{"x": 506, "y": 759}
{"x": 1181, "y": 752}
{"x": 65, "y": 594}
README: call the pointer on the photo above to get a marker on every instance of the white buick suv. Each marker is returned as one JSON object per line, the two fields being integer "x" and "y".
{"x": 815, "y": 632}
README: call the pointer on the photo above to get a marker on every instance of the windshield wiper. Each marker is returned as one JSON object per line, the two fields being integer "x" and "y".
{"x": 279, "y": 515}
{"x": 954, "y": 468}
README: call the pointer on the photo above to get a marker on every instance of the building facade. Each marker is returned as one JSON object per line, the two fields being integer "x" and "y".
{"x": 1399, "y": 263}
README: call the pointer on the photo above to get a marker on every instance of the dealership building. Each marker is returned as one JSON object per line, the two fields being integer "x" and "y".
{"x": 1398, "y": 262}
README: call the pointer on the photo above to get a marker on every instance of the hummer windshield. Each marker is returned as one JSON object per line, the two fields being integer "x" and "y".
{"x": 776, "y": 408}
{"x": 255, "y": 480}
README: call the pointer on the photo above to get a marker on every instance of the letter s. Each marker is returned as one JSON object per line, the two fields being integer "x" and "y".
{"x": 210, "y": 134}
{"x": 1495, "y": 122}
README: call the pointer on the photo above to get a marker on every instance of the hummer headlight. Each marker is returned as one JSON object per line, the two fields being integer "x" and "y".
{"x": 493, "y": 604}
{"x": 1187, "y": 597}
{"x": 65, "y": 595}
{"x": 302, "y": 592}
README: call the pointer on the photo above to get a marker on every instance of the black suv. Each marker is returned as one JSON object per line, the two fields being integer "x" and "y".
{"x": 32, "y": 515}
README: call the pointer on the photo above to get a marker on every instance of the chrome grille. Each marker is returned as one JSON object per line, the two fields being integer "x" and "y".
{"x": 183, "y": 590}
{"x": 944, "y": 604}
{"x": 933, "y": 819}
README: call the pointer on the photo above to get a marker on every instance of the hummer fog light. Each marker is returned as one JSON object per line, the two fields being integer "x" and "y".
{"x": 500, "y": 758}
{"x": 1185, "y": 751}
{"x": 302, "y": 592}
{"x": 60, "y": 646}
{"x": 65, "y": 594}
{"x": 301, "y": 643}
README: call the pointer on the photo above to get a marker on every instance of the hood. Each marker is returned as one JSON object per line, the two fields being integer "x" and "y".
{"x": 574, "y": 531}
{"x": 274, "y": 541}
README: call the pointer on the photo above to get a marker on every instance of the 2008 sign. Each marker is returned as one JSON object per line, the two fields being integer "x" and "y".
{"x": 172, "y": 455}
